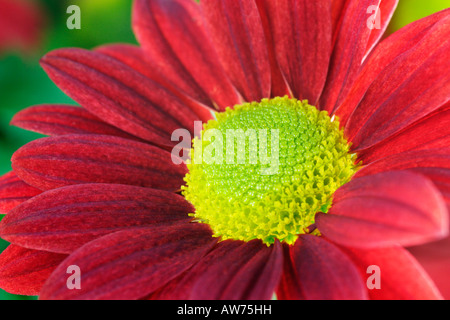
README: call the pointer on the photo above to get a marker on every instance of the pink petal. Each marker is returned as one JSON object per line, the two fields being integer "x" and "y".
{"x": 413, "y": 85}
{"x": 172, "y": 34}
{"x": 401, "y": 276}
{"x": 351, "y": 43}
{"x": 136, "y": 58}
{"x": 237, "y": 34}
{"x": 301, "y": 35}
{"x": 440, "y": 178}
{"x": 432, "y": 163}
{"x": 118, "y": 94}
{"x": 131, "y": 264}
{"x": 428, "y": 133}
{"x": 414, "y": 159}
{"x": 398, "y": 44}
{"x": 324, "y": 272}
{"x": 24, "y": 271}
{"x": 64, "y": 219}
{"x": 64, "y": 119}
{"x": 13, "y": 191}
{"x": 385, "y": 209}
{"x": 54, "y": 162}
{"x": 435, "y": 259}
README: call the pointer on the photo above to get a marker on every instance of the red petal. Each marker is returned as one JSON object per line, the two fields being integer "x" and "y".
{"x": 289, "y": 288}
{"x": 350, "y": 47}
{"x": 301, "y": 36}
{"x": 435, "y": 259}
{"x": 429, "y": 133}
{"x": 248, "y": 271}
{"x": 136, "y": 58}
{"x": 385, "y": 209}
{"x": 161, "y": 57}
{"x": 338, "y": 8}
{"x": 385, "y": 13}
{"x": 259, "y": 277}
{"x": 279, "y": 86}
{"x": 118, "y": 95}
{"x": 172, "y": 33}
{"x": 440, "y": 178}
{"x": 64, "y": 219}
{"x": 64, "y": 119}
{"x": 402, "y": 277}
{"x": 75, "y": 159}
{"x": 24, "y": 271}
{"x": 13, "y": 191}
{"x": 324, "y": 272}
{"x": 416, "y": 160}
{"x": 131, "y": 264}
{"x": 237, "y": 34}
{"x": 403, "y": 92}
{"x": 398, "y": 44}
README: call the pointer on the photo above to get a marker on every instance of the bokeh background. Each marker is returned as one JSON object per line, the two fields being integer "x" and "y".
{"x": 23, "y": 83}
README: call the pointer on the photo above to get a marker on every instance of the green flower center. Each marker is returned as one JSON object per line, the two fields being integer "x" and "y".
{"x": 263, "y": 170}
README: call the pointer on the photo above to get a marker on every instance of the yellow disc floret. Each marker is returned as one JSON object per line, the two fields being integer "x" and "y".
{"x": 263, "y": 170}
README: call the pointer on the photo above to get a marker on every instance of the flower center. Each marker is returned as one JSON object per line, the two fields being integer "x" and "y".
{"x": 263, "y": 170}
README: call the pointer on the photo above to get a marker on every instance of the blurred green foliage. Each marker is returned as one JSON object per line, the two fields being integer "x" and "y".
{"x": 23, "y": 83}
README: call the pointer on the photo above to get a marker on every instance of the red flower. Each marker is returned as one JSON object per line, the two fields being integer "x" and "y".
{"x": 102, "y": 192}
{"x": 21, "y": 25}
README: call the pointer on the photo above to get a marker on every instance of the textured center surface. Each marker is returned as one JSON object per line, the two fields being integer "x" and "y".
{"x": 263, "y": 170}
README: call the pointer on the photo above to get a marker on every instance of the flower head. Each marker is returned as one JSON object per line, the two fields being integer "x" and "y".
{"x": 346, "y": 161}
{"x": 21, "y": 24}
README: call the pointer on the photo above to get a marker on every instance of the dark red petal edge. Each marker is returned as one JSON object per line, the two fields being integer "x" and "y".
{"x": 233, "y": 270}
{"x": 131, "y": 264}
{"x": 13, "y": 191}
{"x": 172, "y": 32}
{"x": 24, "y": 271}
{"x": 55, "y": 162}
{"x": 237, "y": 34}
{"x": 299, "y": 32}
{"x": 64, "y": 219}
{"x": 64, "y": 119}
{"x": 118, "y": 94}
{"x": 324, "y": 272}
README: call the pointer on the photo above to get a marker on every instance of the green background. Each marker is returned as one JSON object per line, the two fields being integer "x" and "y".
{"x": 23, "y": 83}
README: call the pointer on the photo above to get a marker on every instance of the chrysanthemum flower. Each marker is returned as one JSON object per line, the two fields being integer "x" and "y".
{"x": 363, "y": 172}
{"x": 21, "y": 24}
